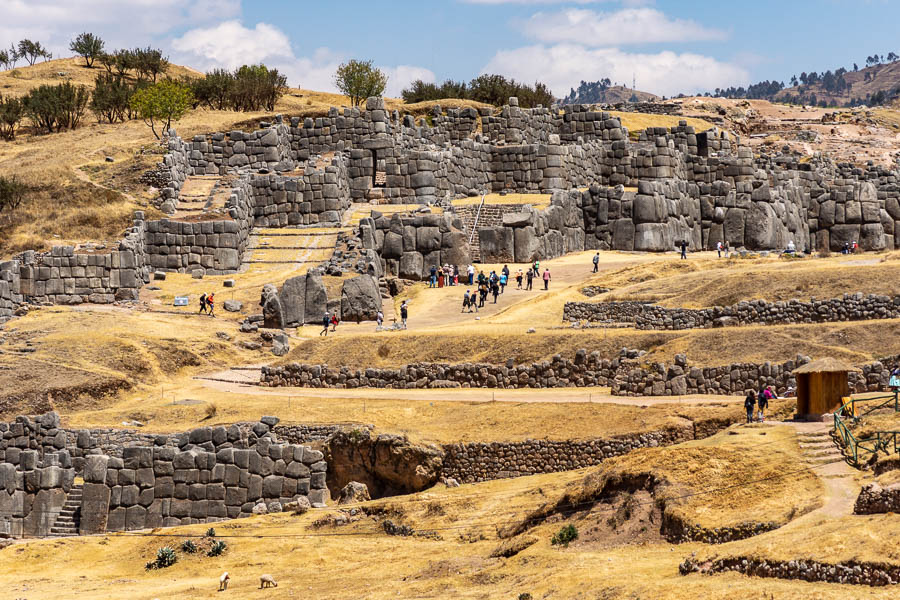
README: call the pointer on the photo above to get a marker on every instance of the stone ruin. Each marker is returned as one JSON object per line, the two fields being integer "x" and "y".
{"x": 610, "y": 189}
{"x": 134, "y": 481}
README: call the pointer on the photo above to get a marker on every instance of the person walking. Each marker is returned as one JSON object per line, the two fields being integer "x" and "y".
{"x": 894, "y": 381}
{"x": 495, "y": 290}
{"x": 536, "y": 267}
{"x": 326, "y": 321}
{"x": 519, "y": 279}
{"x": 546, "y": 278}
{"x": 684, "y": 249}
{"x": 749, "y": 404}
{"x": 719, "y": 248}
{"x": 529, "y": 276}
{"x": 596, "y": 262}
{"x": 466, "y": 302}
{"x": 379, "y": 319}
{"x": 505, "y": 271}
{"x": 480, "y": 277}
{"x": 726, "y": 249}
{"x": 471, "y": 272}
{"x": 455, "y": 274}
{"x": 404, "y": 312}
{"x": 202, "y": 303}
{"x": 762, "y": 404}
{"x": 334, "y": 322}
{"x": 503, "y": 280}
{"x": 432, "y": 282}
{"x": 211, "y": 304}
{"x": 482, "y": 294}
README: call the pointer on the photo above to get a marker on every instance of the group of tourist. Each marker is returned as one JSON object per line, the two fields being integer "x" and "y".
{"x": 759, "y": 402}
{"x": 495, "y": 284}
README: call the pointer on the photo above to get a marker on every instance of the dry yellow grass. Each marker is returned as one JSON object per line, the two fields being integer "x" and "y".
{"x": 636, "y": 122}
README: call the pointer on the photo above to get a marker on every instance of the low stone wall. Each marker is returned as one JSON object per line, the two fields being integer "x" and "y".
{"x": 679, "y": 379}
{"x": 474, "y": 462}
{"x": 852, "y": 307}
{"x": 411, "y": 244}
{"x": 874, "y": 499}
{"x": 856, "y": 573}
{"x": 583, "y": 370}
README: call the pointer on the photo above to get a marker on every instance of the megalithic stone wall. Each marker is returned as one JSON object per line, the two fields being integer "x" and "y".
{"x": 200, "y": 476}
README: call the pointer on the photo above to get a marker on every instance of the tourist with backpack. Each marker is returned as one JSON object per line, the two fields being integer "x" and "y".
{"x": 404, "y": 312}
{"x": 326, "y": 321}
{"x": 519, "y": 276}
{"x": 503, "y": 279}
{"x": 211, "y": 304}
{"x": 203, "y": 303}
{"x": 466, "y": 302}
{"x": 750, "y": 404}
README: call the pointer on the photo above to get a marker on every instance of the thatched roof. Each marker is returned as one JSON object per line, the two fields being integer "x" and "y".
{"x": 824, "y": 365}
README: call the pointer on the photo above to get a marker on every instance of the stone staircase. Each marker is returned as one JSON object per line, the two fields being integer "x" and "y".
{"x": 818, "y": 447}
{"x": 67, "y": 521}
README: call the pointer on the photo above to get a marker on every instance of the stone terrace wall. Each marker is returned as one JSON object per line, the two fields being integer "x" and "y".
{"x": 10, "y": 289}
{"x": 679, "y": 379}
{"x": 852, "y": 307}
{"x": 474, "y": 462}
{"x": 584, "y": 370}
{"x": 318, "y": 196}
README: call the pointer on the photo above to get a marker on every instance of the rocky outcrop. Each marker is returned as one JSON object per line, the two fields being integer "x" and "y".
{"x": 360, "y": 299}
{"x": 387, "y": 464}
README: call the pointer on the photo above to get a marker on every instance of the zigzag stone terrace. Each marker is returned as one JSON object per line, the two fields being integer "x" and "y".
{"x": 701, "y": 187}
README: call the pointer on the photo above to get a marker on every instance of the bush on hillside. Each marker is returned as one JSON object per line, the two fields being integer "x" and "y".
{"x": 56, "y": 107}
{"x": 12, "y": 193}
{"x": 490, "y": 89}
{"x": 111, "y": 98}
{"x": 249, "y": 88}
{"x": 11, "y": 112}
{"x": 566, "y": 535}
{"x": 88, "y": 46}
{"x": 140, "y": 64}
{"x": 359, "y": 80}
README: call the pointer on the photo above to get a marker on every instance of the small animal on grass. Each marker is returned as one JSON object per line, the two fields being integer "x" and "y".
{"x": 267, "y": 581}
{"x": 223, "y": 581}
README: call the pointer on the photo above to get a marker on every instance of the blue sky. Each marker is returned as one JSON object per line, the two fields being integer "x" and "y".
{"x": 669, "y": 46}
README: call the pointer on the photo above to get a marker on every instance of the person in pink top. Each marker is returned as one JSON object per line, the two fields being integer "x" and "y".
{"x": 546, "y": 277}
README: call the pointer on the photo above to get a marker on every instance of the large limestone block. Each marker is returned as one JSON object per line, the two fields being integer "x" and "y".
{"x": 293, "y": 300}
{"x": 649, "y": 209}
{"x": 871, "y": 236}
{"x": 518, "y": 219}
{"x": 527, "y": 245}
{"x": 733, "y": 228}
{"x": 760, "y": 232}
{"x": 94, "y": 508}
{"x": 412, "y": 265}
{"x": 623, "y": 234}
{"x": 393, "y": 245}
{"x": 227, "y": 259}
{"x": 841, "y": 234}
{"x": 360, "y": 299}
{"x": 316, "y": 298}
{"x": 428, "y": 239}
{"x": 653, "y": 237}
{"x": 273, "y": 316}
{"x": 455, "y": 249}
{"x": 497, "y": 244}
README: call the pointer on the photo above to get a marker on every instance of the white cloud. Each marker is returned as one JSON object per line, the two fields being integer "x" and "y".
{"x": 534, "y": 1}
{"x": 627, "y": 26}
{"x": 121, "y": 24}
{"x": 401, "y": 76}
{"x": 231, "y": 45}
{"x": 563, "y": 66}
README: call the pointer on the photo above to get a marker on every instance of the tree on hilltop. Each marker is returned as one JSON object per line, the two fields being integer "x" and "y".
{"x": 31, "y": 51}
{"x": 162, "y": 103}
{"x": 88, "y": 46}
{"x": 360, "y": 80}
